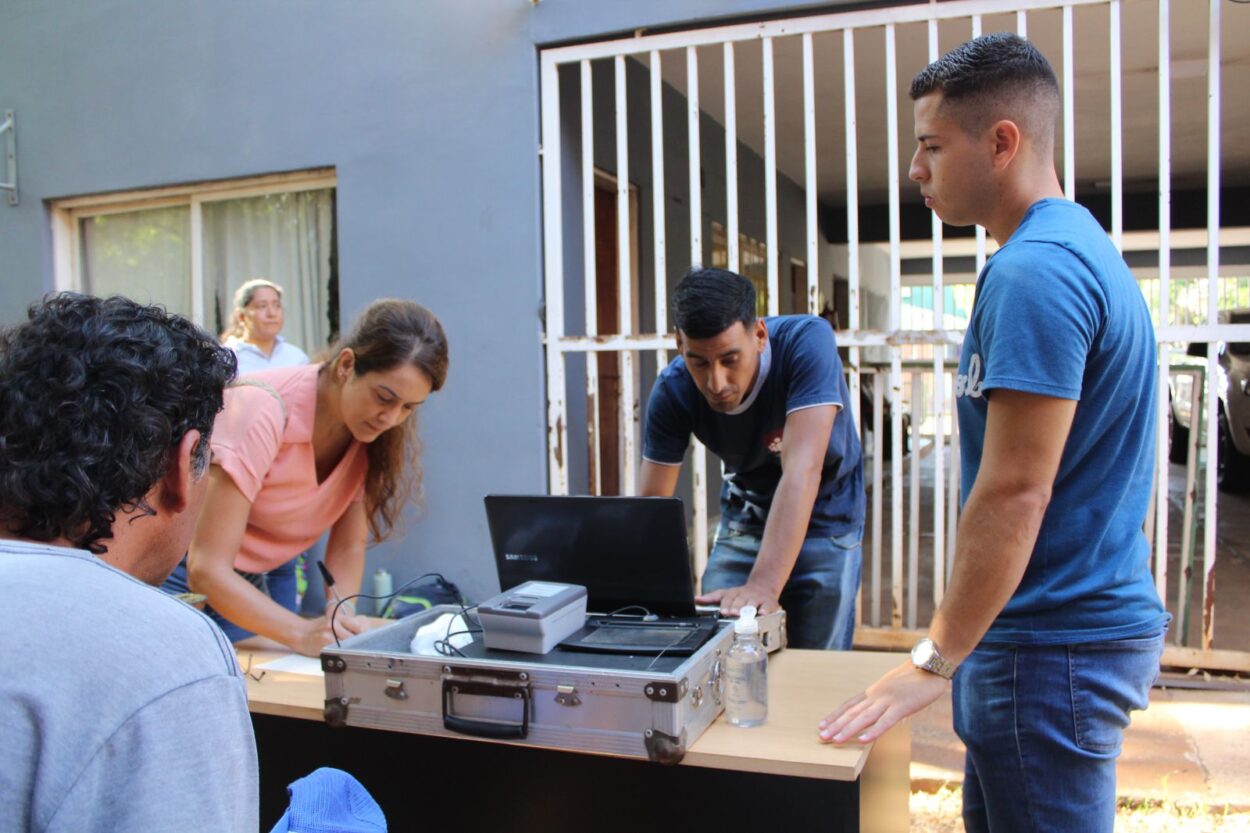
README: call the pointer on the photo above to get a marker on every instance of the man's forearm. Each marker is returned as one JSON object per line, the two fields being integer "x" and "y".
{"x": 785, "y": 528}
{"x": 997, "y": 533}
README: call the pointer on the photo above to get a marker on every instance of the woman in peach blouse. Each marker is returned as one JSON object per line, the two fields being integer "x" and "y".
{"x": 300, "y": 450}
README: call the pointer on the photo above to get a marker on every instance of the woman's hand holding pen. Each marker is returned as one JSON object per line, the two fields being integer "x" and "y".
{"x": 315, "y": 634}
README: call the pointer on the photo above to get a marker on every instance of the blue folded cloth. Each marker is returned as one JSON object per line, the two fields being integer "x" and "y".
{"x": 330, "y": 800}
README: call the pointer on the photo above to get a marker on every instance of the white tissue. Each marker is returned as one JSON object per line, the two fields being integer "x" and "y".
{"x": 427, "y": 635}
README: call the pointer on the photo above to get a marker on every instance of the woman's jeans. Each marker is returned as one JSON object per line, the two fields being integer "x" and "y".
{"x": 1043, "y": 727}
{"x": 819, "y": 598}
{"x": 278, "y": 584}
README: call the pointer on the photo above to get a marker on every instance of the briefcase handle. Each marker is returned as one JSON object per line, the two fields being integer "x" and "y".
{"x": 492, "y": 729}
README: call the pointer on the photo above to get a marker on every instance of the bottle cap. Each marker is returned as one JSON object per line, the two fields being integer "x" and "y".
{"x": 747, "y": 623}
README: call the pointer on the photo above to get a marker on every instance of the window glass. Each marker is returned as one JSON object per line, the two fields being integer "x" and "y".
{"x": 285, "y": 238}
{"x": 144, "y": 255}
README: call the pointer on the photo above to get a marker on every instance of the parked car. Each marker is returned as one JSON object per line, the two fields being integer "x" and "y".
{"x": 1232, "y": 384}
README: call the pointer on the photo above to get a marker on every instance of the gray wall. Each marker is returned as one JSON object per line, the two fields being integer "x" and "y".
{"x": 429, "y": 114}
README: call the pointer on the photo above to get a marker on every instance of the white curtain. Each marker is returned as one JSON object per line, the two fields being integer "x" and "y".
{"x": 144, "y": 255}
{"x": 285, "y": 238}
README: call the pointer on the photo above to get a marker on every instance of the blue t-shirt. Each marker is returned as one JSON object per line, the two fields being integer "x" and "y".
{"x": 1057, "y": 313}
{"x": 800, "y": 369}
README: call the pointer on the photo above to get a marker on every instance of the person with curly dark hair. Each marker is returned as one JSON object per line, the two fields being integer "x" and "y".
{"x": 114, "y": 688}
{"x": 302, "y": 450}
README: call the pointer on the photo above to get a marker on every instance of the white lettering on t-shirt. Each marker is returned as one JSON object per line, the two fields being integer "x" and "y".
{"x": 969, "y": 384}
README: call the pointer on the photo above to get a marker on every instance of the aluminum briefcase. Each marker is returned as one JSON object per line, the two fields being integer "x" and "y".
{"x": 650, "y": 707}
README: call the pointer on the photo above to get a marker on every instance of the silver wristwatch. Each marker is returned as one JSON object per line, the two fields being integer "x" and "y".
{"x": 925, "y": 656}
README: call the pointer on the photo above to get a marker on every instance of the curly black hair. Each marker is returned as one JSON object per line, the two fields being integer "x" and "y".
{"x": 95, "y": 393}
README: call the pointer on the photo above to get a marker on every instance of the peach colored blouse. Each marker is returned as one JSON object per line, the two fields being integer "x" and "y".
{"x": 275, "y": 468}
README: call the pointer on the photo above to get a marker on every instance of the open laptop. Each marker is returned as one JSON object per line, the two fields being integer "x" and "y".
{"x": 630, "y": 554}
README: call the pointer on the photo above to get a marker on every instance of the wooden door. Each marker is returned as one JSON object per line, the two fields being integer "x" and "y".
{"x": 607, "y": 290}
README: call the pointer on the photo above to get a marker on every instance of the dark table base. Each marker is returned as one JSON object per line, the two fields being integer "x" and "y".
{"x": 475, "y": 786}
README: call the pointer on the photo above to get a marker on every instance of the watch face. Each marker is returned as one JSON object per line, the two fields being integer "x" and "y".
{"x": 922, "y": 653}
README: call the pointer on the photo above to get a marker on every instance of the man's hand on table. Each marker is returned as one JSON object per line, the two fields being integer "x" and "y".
{"x": 867, "y": 716}
{"x": 733, "y": 599}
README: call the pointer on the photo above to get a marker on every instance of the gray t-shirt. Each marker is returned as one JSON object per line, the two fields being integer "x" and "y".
{"x": 121, "y": 708}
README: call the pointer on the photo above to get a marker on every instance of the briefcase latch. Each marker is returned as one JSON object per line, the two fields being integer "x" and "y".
{"x": 566, "y": 695}
{"x": 395, "y": 690}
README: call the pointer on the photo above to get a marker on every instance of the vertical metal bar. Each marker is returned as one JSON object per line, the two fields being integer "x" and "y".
{"x": 553, "y": 272}
{"x": 852, "y": 312}
{"x": 878, "y": 405}
{"x": 913, "y": 522}
{"x": 952, "y": 508}
{"x": 980, "y": 230}
{"x": 809, "y": 147}
{"x": 731, "y": 162}
{"x": 1069, "y": 97}
{"x": 1165, "y": 263}
{"x": 770, "y": 180}
{"x": 698, "y": 453}
{"x": 625, "y": 303}
{"x": 589, "y": 270}
{"x": 198, "y": 313}
{"x": 1187, "y": 518}
{"x": 1117, "y": 137}
{"x": 939, "y": 382}
{"x": 1213, "y": 277}
{"x": 1022, "y": 24}
{"x": 696, "y": 179}
{"x": 896, "y": 364}
{"x": 8, "y": 129}
{"x": 657, "y": 205}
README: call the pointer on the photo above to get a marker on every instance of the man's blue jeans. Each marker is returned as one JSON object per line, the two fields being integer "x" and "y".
{"x": 1043, "y": 727}
{"x": 819, "y": 598}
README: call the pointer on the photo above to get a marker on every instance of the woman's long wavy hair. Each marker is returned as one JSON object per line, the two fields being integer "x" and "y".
{"x": 391, "y": 332}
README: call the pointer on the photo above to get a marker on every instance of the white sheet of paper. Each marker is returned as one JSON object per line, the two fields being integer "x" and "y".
{"x": 295, "y": 664}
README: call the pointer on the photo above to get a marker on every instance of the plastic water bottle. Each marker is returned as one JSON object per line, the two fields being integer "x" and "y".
{"x": 746, "y": 673}
{"x": 382, "y": 585}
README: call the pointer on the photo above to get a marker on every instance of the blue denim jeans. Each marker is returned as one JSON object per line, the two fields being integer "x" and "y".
{"x": 819, "y": 598}
{"x": 279, "y": 583}
{"x": 1043, "y": 727}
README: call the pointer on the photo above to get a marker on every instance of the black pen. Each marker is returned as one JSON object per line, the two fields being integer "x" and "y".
{"x": 329, "y": 580}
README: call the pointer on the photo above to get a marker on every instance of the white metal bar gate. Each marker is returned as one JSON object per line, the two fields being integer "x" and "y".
{"x": 926, "y": 380}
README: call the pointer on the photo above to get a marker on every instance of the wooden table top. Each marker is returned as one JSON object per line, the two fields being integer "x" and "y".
{"x": 804, "y": 686}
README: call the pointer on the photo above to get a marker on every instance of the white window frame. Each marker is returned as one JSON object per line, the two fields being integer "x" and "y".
{"x": 67, "y": 215}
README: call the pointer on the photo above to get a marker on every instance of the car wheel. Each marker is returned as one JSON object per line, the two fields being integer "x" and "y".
{"x": 1178, "y": 438}
{"x": 1232, "y": 470}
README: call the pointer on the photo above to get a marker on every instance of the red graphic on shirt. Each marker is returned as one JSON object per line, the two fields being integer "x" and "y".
{"x": 773, "y": 441}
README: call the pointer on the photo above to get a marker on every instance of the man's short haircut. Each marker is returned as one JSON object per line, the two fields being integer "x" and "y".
{"x": 707, "y": 302}
{"x": 95, "y": 395}
{"x": 993, "y": 77}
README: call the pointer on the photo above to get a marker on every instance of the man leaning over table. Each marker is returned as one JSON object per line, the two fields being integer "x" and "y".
{"x": 767, "y": 395}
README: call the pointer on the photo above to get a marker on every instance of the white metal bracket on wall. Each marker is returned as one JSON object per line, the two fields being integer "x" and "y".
{"x": 8, "y": 129}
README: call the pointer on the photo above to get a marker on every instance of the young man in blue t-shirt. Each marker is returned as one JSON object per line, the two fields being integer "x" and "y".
{"x": 1051, "y": 616}
{"x": 767, "y": 396}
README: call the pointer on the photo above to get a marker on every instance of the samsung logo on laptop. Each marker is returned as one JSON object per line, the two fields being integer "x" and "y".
{"x": 519, "y": 556}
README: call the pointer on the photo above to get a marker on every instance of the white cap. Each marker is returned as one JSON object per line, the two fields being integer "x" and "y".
{"x": 747, "y": 623}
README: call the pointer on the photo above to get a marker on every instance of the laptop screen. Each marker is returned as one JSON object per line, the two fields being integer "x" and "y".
{"x": 623, "y": 550}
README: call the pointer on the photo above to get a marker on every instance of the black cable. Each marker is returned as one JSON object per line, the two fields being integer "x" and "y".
{"x": 621, "y": 610}
{"x": 388, "y": 598}
{"x": 464, "y": 612}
